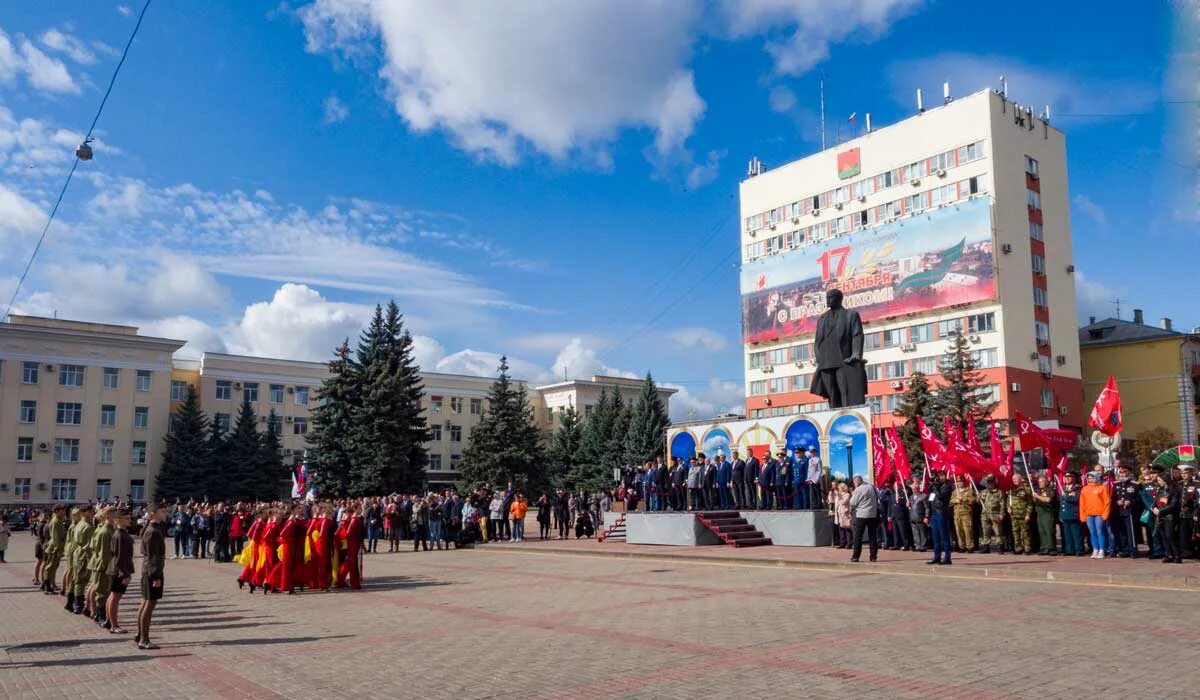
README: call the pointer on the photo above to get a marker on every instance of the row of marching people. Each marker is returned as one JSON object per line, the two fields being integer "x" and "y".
{"x": 285, "y": 551}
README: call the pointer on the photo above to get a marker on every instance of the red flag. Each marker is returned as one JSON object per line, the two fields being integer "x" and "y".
{"x": 882, "y": 465}
{"x": 1004, "y": 477}
{"x": 1059, "y": 470}
{"x": 973, "y": 438}
{"x": 953, "y": 434}
{"x": 997, "y": 448}
{"x": 899, "y": 455}
{"x": 935, "y": 451}
{"x": 1106, "y": 413}
{"x": 1033, "y": 437}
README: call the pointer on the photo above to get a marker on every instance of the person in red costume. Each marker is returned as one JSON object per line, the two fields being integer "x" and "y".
{"x": 290, "y": 540}
{"x": 267, "y": 556}
{"x": 250, "y": 554}
{"x": 350, "y": 535}
{"x": 321, "y": 545}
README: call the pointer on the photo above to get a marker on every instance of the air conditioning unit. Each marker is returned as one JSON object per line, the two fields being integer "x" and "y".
{"x": 1040, "y": 273}
{"x": 447, "y": 424}
{"x": 1014, "y": 387}
{"x": 1061, "y": 360}
{"x": 908, "y": 347}
{"x": 768, "y": 369}
{"x": 1033, "y": 356}
{"x": 795, "y": 219}
{"x": 897, "y": 384}
{"x": 237, "y": 385}
{"x": 915, "y": 182}
{"x": 772, "y": 227}
{"x": 1006, "y": 248}
{"x": 941, "y": 172}
{"x": 1063, "y": 410}
{"x": 49, "y": 368}
{"x": 41, "y": 486}
{"x": 799, "y": 364}
{"x": 816, "y": 212}
{"x": 862, "y": 199}
{"x": 974, "y": 338}
{"x": 288, "y": 419}
{"x": 291, "y": 389}
{"x": 1070, "y": 269}
{"x": 838, "y": 206}
{"x": 43, "y": 447}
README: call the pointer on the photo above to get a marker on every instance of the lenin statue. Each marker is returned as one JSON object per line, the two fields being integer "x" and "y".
{"x": 841, "y": 374}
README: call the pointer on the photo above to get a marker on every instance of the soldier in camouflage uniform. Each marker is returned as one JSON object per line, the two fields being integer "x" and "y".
{"x": 1020, "y": 510}
{"x": 1044, "y": 510}
{"x": 52, "y": 553}
{"x": 99, "y": 584}
{"x": 963, "y": 503}
{"x": 81, "y": 554}
{"x": 991, "y": 517}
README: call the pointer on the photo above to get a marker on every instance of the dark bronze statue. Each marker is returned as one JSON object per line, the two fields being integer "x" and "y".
{"x": 841, "y": 376}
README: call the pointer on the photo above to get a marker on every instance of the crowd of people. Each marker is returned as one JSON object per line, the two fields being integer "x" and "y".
{"x": 780, "y": 482}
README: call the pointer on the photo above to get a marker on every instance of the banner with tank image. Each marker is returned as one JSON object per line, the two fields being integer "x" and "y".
{"x": 932, "y": 260}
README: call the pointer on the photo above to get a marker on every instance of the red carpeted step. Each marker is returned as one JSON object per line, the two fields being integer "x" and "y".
{"x": 751, "y": 542}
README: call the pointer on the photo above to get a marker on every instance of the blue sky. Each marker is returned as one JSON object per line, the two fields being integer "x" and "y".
{"x": 556, "y": 185}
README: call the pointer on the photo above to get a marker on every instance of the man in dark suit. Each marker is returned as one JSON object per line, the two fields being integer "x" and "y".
{"x": 766, "y": 479}
{"x": 661, "y": 485}
{"x": 710, "y": 484}
{"x": 724, "y": 476}
{"x": 753, "y": 468}
{"x": 841, "y": 375}
{"x": 679, "y": 485}
{"x": 738, "y": 467}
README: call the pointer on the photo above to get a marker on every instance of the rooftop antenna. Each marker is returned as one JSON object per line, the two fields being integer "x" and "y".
{"x": 1117, "y": 301}
{"x": 920, "y": 102}
{"x": 1003, "y": 87}
{"x": 946, "y": 93}
{"x": 1046, "y": 114}
{"x": 821, "y": 89}
{"x": 868, "y": 122}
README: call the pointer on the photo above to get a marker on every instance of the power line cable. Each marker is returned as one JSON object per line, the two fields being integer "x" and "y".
{"x": 71, "y": 173}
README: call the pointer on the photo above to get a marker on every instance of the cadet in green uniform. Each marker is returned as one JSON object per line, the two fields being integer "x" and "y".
{"x": 1043, "y": 509}
{"x": 82, "y": 554}
{"x": 52, "y": 553}
{"x": 101, "y": 552}
{"x": 1020, "y": 505}
{"x": 69, "y": 554}
{"x": 991, "y": 517}
{"x": 963, "y": 503}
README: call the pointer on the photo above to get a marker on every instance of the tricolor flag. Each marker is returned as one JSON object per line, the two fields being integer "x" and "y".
{"x": 1106, "y": 413}
{"x": 853, "y": 116}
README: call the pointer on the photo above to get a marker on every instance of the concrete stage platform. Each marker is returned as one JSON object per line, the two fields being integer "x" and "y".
{"x": 795, "y": 528}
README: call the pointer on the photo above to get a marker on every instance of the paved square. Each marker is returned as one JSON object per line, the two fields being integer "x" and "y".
{"x": 503, "y": 622}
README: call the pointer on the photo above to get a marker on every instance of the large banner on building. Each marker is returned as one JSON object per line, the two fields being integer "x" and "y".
{"x": 925, "y": 262}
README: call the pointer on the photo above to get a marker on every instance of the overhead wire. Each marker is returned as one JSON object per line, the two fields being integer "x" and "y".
{"x": 71, "y": 173}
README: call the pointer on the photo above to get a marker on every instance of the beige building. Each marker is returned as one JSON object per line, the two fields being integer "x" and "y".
{"x": 84, "y": 408}
{"x": 584, "y": 395}
{"x": 867, "y": 213}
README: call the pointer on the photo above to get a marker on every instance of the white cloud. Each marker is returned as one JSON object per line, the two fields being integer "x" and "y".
{"x": 335, "y": 110}
{"x": 800, "y": 32}
{"x": 69, "y": 45}
{"x": 704, "y": 173}
{"x": 696, "y": 338}
{"x": 477, "y": 363}
{"x": 18, "y": 217}
{"x": 1065, "y": 92}
{"x": 299, "y": 324}
{"x": 1093, "y": 298}
{"x": 200, "y": 336}
{"x": 716, "y": 398}
{"x": 578, "y": 361}
{"x": 553, "y": 341}
{"x": 782, "y": 99}
{"x": 125, "y": 10}
{"x": 1091, "y": 209}
{"x": 427, "y": 351}
{"x": 45, "y": 72}
{"x": 502, "y": 78}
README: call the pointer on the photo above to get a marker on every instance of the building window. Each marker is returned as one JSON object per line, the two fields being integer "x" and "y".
{"x": 1031, "y": 166}
{"x": 143, "y": 380}
{"x": 276, "y": 393}
{"x": 894, "y": 370}
{"x": 801, "y": 382}
{"x": 301, "y": 396}
{"x": 112, "y": 377}
{"x": 141, "y": 417}
{"x": 69, "y": 413}
{"x": 137, "y": 490}
{"x": 21, "y": 488}
{"x": 108, "y": 416}
{"x": 456, "y": 433}
{"x": 1041, "y": 332}
{"x": 1034, "y": 198}
{"x": 224, "y": 390}
{"x": 779, "y": 356}
{"x": 872, "y": 341}
{"x": 435, "y": 433}
{"x": 62, "y": 489}
{"x": 1039, "y": 297}
{"x": 1047, "y": 398}
{"x": 985, "y": 358}
{"x": 1039, "y": 264}
{"x": 1035, "y": 231}
{"x": 106, "y": 451}
{"x": 981, "y": 323}
{"x": 29, "y": 373}
{"x": 435, "y": 404}
{"x": 758, "y": 388}
{"x": 801, "y": 353}
{"x": 137, "y": 455}
{"x": 876, "y": 403}
{"x": 66, "y": 450}
{"x": 103, "y": 489}
{"x": 893, "y": 402}
{"x": 25, "y": 449}
{"x": 454, "y": 462}
{"x": 893, "y": 337}
{"x": 872, "y": 373}
{"x": 921, "y": 334}
{"x": 222, "y": 421}
{"x": 946, "y": 329}
{"x": 550, "y": 414}
{"x": 299, "y": 426}
{"x": 28, "y": 412}
{"x": 70, "y": 375}
{"x": 477, "y": 407}
{"x": 435, "y": 463}
{"x": 1044, "y": 364}
{"x": 925, "y": 365}
{"x": 587, "y": 409}
{"x": 250, "y": 392}
{"x": 178, "y": 390}
{"x": 277, "y": 421}
{"x": 456, "y": 404}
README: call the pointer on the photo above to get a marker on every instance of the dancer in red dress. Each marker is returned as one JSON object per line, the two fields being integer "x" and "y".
{"x": 267, "y": 556}
{"x": 249, "y": 555}
{"x": 350, "y": 535}
{"x": 290, "y": 540}
{"x": 321, "y": 544}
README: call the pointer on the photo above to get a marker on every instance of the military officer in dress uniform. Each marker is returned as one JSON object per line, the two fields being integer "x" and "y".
{"x": 1189, "y": 508}
{"x": 1126, "y": 504}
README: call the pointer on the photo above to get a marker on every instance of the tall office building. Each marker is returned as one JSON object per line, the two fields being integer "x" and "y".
{"x": 953, "y": 221}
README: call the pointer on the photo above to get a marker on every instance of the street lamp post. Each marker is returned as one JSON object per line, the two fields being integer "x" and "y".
{"x": 849, "y": 459}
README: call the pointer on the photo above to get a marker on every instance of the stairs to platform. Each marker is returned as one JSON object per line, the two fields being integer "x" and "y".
{"x": 614, "y": 532}
{"x": 732, "y": 528}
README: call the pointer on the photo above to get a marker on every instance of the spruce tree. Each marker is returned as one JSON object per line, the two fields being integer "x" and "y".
{"x": 330, "y": 455}
{"x": 962, "y": 396}
{"x": 648, "y": 421}
{"x": 270, "y": 474}
{"x": 243, "y": 454}
{"x": 597, "y": 434}
{"x": 506, "y": 446}
{"x": 565, "y": 446}
{"x": 614, "y": 451}
{"x": 917, "y": 401}
{"x": 218, "y": 476}
{"x": 186, "y": 461}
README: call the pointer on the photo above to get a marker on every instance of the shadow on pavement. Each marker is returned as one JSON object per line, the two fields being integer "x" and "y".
{"x": 391, "y": 583}
{"x": 48, "y": 663}
{"x": 59, "y": 644}
{"x": 259, "y": 641}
